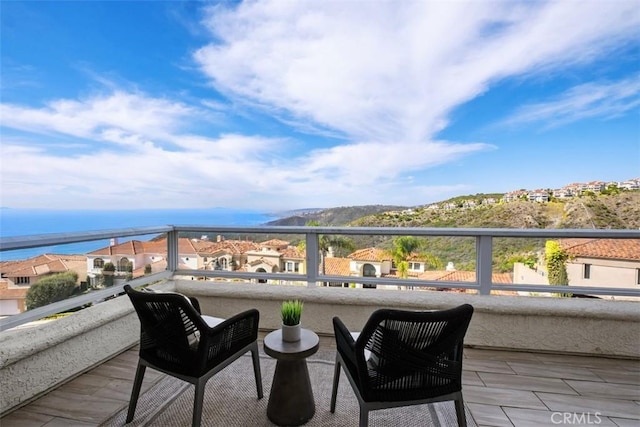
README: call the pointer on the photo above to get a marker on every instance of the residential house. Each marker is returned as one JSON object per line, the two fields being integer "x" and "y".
{"x": 595, "y": 186}
{"x": 632, "y": 184}
{"x": 603, "y": 262}
{"x": 512, "y": 196}
{"x": 592, "y": 262}
{"x": 292, "y": 260}
{"x": 564, "y": 193}
{"x": 17, "y": 276}
{"x": 540, "y": 196}
{"x": 226, "y": 255}
{"x": 133, "y": 256}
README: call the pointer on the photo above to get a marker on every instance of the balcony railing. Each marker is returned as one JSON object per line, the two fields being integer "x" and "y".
{"x": 483, "y": 284}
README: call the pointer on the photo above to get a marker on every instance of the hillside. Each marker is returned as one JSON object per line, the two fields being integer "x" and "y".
{"x": 620, "y": 211}
{"x": 335, "y": 216}
{"x": 617, "y": 211}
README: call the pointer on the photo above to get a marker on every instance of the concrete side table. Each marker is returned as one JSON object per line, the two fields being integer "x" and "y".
{"x": 291, "y": 399}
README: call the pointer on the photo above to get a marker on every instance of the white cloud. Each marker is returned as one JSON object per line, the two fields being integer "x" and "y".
{"x": 392, "y": 71}
{"x": 388, "y": 74}
{"x": 100, "y": 117}
{"x": 592, "y": 100}
{"x": 384, "y": 76}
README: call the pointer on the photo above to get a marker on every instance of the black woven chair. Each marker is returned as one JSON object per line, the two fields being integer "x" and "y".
{"x": 175, "y": 339}
{"x": 403, "y": 358}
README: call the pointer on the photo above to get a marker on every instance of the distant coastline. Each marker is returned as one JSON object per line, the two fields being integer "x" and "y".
{"x": 25, "y": 222}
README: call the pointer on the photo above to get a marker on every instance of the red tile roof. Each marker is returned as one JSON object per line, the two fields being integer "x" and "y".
{"x": 337, "y": 266}
{"x": 622, "y": 249}
{"x": 130, "y": 247}
{"x": 275, "y": 243}
{"x": 370, "y": 254}
{"x": 234, "y": 247}
{"x": 455, "y": 276}
{"x": 292, "y": 252}
{"x": 43, "y": 264}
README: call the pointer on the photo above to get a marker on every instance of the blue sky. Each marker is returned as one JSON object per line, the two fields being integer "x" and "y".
{"x": 274, "y": 105}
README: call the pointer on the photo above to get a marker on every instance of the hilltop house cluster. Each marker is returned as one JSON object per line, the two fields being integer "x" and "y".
{"x": 539, "y": 195}
{"x": 569, "y": 191}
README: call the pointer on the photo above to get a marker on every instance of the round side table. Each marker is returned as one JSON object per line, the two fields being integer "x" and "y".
{"x": 291, "y": 399}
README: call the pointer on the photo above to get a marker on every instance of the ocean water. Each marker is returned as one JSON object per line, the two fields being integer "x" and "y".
{"x": 25, "y": 222}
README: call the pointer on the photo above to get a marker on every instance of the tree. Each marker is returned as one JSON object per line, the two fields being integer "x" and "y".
{"x": 611, "y": 189}
{"x": 50, "y": 289}
{"x": 403, "y": 247}
{"x": 107, "y": 274}
{"x": 147, "y": 269}
{"x": 555, "y": 258}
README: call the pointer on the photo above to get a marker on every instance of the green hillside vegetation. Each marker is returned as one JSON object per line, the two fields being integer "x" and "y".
{"x": 620, "y": 210}
{"x": 617, "y": 211}
{"x": 340, "y": 216}
{"x": 614, "y": 211}
{"x": 607, "y": 211}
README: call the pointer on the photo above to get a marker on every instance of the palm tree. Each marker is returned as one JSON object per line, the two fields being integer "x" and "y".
{"x": 403, "y": 247}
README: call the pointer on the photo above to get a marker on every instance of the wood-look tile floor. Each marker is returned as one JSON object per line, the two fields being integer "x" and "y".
{"x": 501, "y": 388}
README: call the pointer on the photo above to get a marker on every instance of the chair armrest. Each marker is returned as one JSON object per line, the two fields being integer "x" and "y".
{"x": 229, "y": 336}
{"x": 195, "y": 304}
{"x": 345, "y": 343}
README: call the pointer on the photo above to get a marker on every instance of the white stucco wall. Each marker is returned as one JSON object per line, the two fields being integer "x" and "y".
{"x": 604, "y": 273}
{"x": 562, "y": 325}
{"x": 35, "y": 359}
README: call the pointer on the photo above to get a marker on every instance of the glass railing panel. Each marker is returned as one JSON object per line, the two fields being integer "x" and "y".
{"x": 485, "y": 261}
{"x": 403, "y": 262}
{"x": 76, "y": 268}
{"x": 581, "y": 267}
{"x": 274, "y": 258}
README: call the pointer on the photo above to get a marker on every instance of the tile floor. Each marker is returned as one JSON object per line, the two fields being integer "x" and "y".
{"x": 501, "y": 388}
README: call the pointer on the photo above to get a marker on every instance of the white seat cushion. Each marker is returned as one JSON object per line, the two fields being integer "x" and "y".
{"x": 212, "y": 321}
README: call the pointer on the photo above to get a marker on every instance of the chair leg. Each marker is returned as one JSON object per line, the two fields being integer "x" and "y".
{"x": 197, "y": 402}
{"x": 364, "y": 416}
{"x": 462, "y": 419}
{"x": 135, "y": 392}
{"x": 256, "y": 370}
{"x": 336, "y": 379}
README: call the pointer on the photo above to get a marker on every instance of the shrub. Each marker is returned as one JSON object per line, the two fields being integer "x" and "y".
{"x": 107, "y": 274}
{"x": 50, "y": 289}
{"x": 555, "y": 259}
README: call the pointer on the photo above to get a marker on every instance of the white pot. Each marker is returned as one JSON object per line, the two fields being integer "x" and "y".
{"x": 291, "y": 333}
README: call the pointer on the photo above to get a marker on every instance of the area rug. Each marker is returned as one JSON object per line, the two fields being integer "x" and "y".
{"x": 231, "y": 400}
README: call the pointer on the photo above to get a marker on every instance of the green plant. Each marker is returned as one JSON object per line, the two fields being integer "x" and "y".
{"x": 50, "y": 289}
{"x": 291, "y": 311}
{"x": 555, "y": 258}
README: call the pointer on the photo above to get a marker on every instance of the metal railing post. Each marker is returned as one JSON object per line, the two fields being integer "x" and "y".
{"x": 172, "y": 250}
{"x": 313, "y": 263}
{"x": 484, "y": 261}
